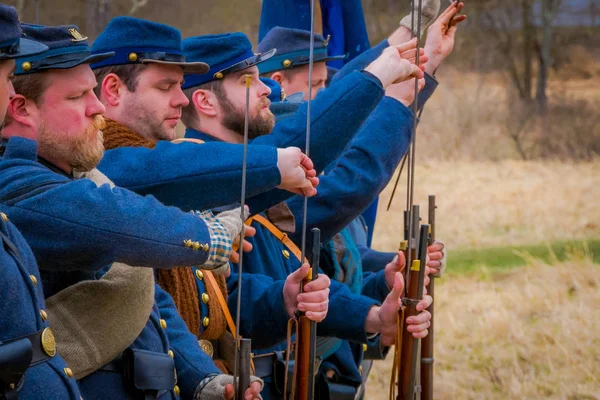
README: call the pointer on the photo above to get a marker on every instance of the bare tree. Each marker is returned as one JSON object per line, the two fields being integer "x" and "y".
{"x": 97, "y": 17}
{"x": 549, "y": 11}
{"x": 136, "y": 5}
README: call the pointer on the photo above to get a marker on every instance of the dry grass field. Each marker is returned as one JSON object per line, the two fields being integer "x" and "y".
{"x": 531, "y": 332}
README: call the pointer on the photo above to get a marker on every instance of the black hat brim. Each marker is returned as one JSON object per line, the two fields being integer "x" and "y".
{"x": 188, "y": 67}
{"x": 91, "y": 59}
{"x": 27, "y": 48}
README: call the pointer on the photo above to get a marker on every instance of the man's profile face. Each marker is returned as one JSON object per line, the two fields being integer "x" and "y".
{"x": 7, "y": 69}
{"x": 298, "y": 80}
{"x": 233, "y": 106}
{"x": 153, "y": 109}
{"x": 71, "y": 119}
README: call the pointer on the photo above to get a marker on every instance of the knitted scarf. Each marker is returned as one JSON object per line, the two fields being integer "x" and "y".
{"x": 178, "y": 282}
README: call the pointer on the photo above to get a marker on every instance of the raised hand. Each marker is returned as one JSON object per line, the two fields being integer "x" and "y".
{"x": 391, "y": 67}
{"x": 440, "y": 36}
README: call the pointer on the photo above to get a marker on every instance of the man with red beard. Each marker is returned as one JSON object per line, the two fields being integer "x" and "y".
{"x": 77, "y": 231}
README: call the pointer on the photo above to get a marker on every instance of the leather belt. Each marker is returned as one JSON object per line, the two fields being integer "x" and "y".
{"x": 43, "y": 345}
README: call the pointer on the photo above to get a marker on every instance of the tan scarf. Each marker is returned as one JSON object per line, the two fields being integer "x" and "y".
{"x": 94, "y": 321}
{"x": 180, "y": 282}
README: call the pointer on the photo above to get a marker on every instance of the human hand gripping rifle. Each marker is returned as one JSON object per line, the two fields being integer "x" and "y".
{"x": 427, "y": 343}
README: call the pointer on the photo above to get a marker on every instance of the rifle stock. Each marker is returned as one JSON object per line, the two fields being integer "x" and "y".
{"x": 427, "y": 343}
{"x": 407, "y": 375}
{"x": 307, "y": 334}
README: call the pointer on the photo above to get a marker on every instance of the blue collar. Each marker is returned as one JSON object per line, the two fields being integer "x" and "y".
{"x": 191, "y": 133}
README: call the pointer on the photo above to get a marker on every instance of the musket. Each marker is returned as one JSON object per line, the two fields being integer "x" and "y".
{"x": 427, "y": 343}
{"x": 307, "y": 333}
{"x": 303, "y": 384}
{"x": 408, "y": 385}
{"x": 241, "y": 362}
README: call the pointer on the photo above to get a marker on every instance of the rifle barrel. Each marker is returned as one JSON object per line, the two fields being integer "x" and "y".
{"x": 427, "y": 359}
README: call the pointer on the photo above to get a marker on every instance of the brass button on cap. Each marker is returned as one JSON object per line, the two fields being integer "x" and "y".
{"x": 48, "y": 342}
{"x": 133, "y": 57}
{"x": 171, "y": 354}
{"x": 163, "y": 323}
{"x": 287, "y": 63}
{"x": 205, "y": 298}
{"x": 199, "y": 274}
{"x": 68, "y": 372}
{"x": 218, "y": 75}
{"x": 33, "y": 279}
{"x": 44, "y": 315}
{"x": 205, "y": 322}
{"x": 285, "y": 253}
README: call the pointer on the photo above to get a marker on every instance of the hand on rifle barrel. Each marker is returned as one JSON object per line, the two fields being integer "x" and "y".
{"x": 314, "y": 301}
{"x": 437, "y": 254}
{"x": 253, "y": 392}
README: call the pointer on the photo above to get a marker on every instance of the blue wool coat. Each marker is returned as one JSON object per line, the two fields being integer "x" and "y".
{"x": 21, "y": 301}
{"x": 189, "y": 176}
{"x": 359, "y": 92}
{"x": 60, "y": 215}
{"x": 71, "y": 224}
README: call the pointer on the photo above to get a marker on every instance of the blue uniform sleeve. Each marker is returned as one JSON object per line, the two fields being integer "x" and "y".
{"x": 373, "y": 260}
{"x": 375, "y": 286}
{"x": 264, "y": 317}
{"x": 192, "y": 176}
{"x": 347, "y": 314}
{"x": 192, "y": 364}
{"x": 360, "y": 174}
{"x": 359, "y": 92}
{"x": 76, "y": 225}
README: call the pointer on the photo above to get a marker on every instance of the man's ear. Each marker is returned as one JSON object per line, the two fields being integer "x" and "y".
{"x": 205, "y": 102}
{"x": 23, "y": 118}
{"x": 277, "y": 76}
{"x": 23, "y": 110}
{"x": 111, "y": 90}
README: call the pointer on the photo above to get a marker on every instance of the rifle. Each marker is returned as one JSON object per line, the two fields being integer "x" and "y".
{"x": 427, "y": 343}
{"x": 408, "y": 386}
{"x": 306, "y": 335}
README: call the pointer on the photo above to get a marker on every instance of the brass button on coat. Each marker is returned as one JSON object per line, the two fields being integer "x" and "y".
{"x": 163, "y": 323}
{"x": 205, "y": 298}
{"x": 48, "y": 342}
{"x": 44, "y": 315}
{"x": 171, "y": 354}
{"x": 176, "y": 390}
{"x": 199, "y": 274}
{"x": 4, "y": 217}
{"x": 68, "y": 372}
{"x": 205, "y": 322}
{"x": 365, "y": 347}
{"x": 285, "y": 253}
{"x": 33, "y": 279}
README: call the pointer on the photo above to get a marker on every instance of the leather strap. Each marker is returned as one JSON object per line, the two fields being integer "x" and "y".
{"x": 281, "y": 236}
{"x": 185, "y": 140}
{"x": 210, "y": 279}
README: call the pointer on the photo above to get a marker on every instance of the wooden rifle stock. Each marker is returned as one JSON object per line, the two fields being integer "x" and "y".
{"x": 427, "y": 343}
{"x": 407, "y": 371}
{"x": 306, "y": 335}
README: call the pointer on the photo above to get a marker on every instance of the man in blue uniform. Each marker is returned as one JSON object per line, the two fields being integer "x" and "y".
{"x": 148, "y": 62}
{"x": 136, "y": 96}
{"x": 30, "y": 367}
{"x": 217, "y": 103}
{"x": 79, "y": 229}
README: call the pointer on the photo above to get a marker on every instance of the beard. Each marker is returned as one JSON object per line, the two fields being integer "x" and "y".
{"x": 144, "y": 121}
{"x": 82, "y": 152}
{"x": 258, "y": 125}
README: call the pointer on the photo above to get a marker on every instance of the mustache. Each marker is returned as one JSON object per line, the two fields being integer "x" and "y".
{"x": 98, "y": 123}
